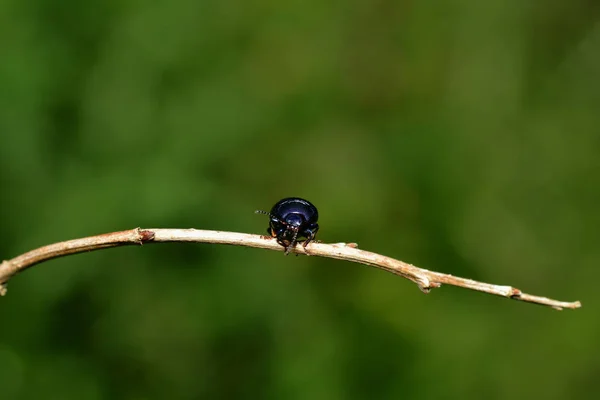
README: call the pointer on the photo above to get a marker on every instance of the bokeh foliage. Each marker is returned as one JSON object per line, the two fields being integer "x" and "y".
{"x": 461, "y": 136}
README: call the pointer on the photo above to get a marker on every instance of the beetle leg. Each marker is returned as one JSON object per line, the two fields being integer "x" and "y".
{"x": 285, "y": 245}
{"x": 293, "y": 242}
{"x": 311, "y": 236}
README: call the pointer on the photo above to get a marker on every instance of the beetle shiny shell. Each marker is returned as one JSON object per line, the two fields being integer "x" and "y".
{"x": 291, "y": 219}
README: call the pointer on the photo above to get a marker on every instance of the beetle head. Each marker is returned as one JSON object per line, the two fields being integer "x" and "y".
{"x": 294, "y": 221}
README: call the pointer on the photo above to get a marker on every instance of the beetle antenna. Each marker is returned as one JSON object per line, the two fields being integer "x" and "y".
{"x": 270, "y": 216}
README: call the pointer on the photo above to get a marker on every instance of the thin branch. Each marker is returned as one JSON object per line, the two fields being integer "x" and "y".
{"x": 426, "y": 280}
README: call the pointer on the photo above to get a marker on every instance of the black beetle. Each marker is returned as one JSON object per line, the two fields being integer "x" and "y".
{"x": 291, "y": 219}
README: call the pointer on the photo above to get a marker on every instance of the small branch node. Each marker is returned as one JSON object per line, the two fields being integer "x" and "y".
{"x": 427, "y": 288}
{"x": 515, "y": 293}
{"x": 146, "y": 235}
{"x": 424, "y": 284}
{"x": 343, "y": 244}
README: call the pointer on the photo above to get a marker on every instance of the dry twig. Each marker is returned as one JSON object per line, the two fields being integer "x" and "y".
{"x": 426, "y": 280}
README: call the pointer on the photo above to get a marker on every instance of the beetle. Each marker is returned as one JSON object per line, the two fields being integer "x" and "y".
{"x": 290, "y": 219}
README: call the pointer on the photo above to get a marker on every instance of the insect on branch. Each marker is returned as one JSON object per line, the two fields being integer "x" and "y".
{"x": 425, "y": 279}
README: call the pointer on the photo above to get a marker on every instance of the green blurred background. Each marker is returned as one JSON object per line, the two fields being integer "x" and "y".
{"x": 458, "y": 136}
